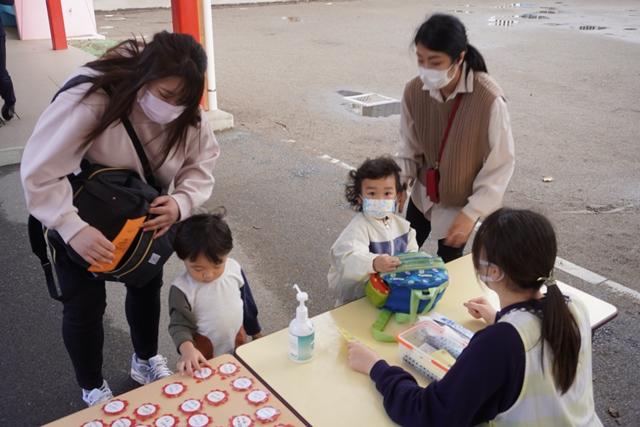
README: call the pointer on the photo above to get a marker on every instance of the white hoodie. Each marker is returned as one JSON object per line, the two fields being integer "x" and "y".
{"x": 360, "y": 242}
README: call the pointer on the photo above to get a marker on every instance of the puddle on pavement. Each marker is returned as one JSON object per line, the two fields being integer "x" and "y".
{"x": 515, "y": 5}
{"x": 533, "y": 16}
{"x": 590, "y": 28}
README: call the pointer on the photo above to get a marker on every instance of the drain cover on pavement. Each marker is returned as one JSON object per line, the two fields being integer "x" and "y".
{"x": 373, "y": 105}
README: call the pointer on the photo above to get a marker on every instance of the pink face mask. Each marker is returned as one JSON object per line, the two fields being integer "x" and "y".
{"x": 158, "y": 110}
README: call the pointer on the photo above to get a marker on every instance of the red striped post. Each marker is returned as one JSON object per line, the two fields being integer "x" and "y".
{"x": 56, "y": 24}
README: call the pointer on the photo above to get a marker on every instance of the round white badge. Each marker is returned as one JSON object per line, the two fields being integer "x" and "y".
{"x": 173, "y": 389}
{"x": 242, "y": 383}
{"x": 228, "y": 369}
{"x": 122, "y": 422}
{"x": 241, "y": 421}
{"x": 267, "y": 414}
{"x": 191, "y": 405}
{"x": 114, "y": 407}
{"x": 146, "y": 410}
{"x": 257, "y": 397}
{"x": 203, "y": 373}
{"x": 199, "y": 420}
{"x": 217, "y": 397}
{"x": 166, "y": 421}
{"x": 94, "y": 423}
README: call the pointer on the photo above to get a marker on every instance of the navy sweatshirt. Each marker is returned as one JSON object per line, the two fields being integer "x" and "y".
{"x": 485, "y": 381}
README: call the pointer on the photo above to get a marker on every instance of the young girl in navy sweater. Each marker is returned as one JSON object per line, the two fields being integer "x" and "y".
{"x": 531, "y": 366}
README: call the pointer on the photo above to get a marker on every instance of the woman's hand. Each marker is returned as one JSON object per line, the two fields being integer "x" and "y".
{"x": 166, "y": 213}
{"x": 480, "y": 308}
{"x": 190, "y": 358}
{"x": 459, "y": 231}
{"x": 92, "y": 246}
{"x": 361, "y": 358}
{"x": 385, "y": 263}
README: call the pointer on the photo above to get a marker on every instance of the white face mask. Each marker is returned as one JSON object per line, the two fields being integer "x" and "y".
{"x": 158, "y": 110}
{"x": 486, "y": 278}
{"x": 378, "y": 208}
{"x": 435, "y": 79}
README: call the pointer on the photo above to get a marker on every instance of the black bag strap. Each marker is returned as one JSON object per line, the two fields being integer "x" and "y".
{"x": 144, "y": 160}
{"x": 39, "y": 248}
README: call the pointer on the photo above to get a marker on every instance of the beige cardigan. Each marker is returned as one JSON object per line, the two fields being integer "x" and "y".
{"x": 55, "y": 150}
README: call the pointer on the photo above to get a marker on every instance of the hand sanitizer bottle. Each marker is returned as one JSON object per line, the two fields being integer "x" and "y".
{"x": 301, "y": 332}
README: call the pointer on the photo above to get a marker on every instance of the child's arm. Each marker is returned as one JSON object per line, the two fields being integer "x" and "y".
{"x": 182, "y": 326}
{"x": 250, "y": 310}
{"x": 485, "y": 380}
{"x": 351, "y": 257}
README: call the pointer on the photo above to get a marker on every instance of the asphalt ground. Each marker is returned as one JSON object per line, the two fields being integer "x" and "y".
{"x": 573, "y": 102}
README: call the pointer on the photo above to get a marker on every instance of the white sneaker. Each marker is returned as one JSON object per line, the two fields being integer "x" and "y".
{"x": 97, "y": 395}
{"x": 148, "y": 371}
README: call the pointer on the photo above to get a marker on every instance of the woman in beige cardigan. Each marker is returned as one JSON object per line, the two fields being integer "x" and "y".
{"x": 462, "y": 176}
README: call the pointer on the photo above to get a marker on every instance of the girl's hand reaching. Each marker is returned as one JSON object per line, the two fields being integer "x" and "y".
{"x": 361, "y": 358}
{"x": 480, "y": 308}
{"x": 190, "y": 358}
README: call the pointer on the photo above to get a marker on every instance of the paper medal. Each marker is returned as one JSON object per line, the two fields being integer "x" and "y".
{"x": 174, "y": 389}
{"x": 114, "y": 407}
{"x": 242, "y": 384}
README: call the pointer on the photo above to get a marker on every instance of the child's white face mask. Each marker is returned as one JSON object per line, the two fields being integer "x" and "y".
{"x": 158, "y": 110}
{"x": 378, "y": 208}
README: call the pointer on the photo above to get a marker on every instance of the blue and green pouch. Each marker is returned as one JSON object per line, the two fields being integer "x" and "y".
{"x": 414, "y": 288}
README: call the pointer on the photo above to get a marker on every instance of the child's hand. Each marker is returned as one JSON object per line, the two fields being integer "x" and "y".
{"x": 190, "y": 358}
{"x": 385, "y": 263}
{"x": 481, "y": 309}
{"x": 361, "y": 358}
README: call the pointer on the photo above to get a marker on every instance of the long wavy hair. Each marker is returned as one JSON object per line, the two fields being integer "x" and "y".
{"x": 133, "y": 63}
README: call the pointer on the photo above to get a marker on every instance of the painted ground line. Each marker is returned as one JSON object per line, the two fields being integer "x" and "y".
{"x": 338, "y": 162}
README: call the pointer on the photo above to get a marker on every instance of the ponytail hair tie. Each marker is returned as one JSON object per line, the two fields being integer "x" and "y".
{"x": 550, "y": 280}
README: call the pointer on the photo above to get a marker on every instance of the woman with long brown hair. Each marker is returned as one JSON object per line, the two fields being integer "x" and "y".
{"x": 157, "y": 86}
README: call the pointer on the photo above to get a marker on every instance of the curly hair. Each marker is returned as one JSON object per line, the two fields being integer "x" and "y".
{"x": 378, "y": 168}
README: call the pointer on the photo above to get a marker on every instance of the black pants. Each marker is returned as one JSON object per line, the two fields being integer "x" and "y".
{"x": 83, "y": 308}
{"x": 6, "y": 86}
{"x": 423, "y": 228}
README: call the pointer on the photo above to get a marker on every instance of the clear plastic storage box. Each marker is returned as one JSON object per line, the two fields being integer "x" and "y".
{"x": 432, "y": 345}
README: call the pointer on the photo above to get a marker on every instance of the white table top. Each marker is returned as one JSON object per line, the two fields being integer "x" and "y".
{"x": 326, "y": 392}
